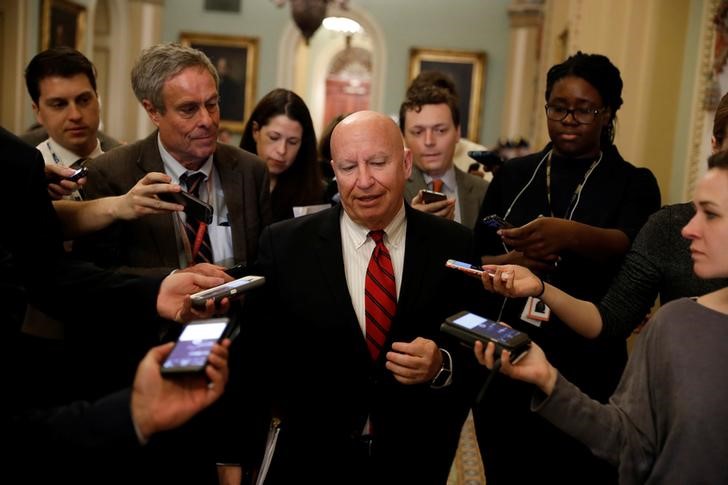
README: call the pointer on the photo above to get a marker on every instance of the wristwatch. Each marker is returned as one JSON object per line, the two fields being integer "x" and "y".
{"x": 444, "y": 375}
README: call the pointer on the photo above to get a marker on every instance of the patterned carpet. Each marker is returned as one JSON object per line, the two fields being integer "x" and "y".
{"x": 467, "y": 468}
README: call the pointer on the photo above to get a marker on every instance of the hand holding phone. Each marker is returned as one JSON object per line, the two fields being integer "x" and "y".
{"x": 496, "y": 222}
{"x": 194, "y": 207}
{"x": 80, "y": 173}
{"x": 469, "y": 328}
{"x": 232, "y": 290}
{"x": 194, "y": 345}
{"x": 430, "y": 196}
{"x": 468, "y": 268}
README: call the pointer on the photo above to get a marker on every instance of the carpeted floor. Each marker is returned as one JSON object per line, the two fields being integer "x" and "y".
{"x": 467, "y": 469}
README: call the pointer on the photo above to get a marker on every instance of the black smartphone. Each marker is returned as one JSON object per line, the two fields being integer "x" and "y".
{"x": 469, "y": 328}
{"x": 194, "y": 344}
{"x": 486, "y": 157}
{"x": 430, "y": 196}
{"x": 494, "y": 221}
{"x": 468, "y": 268}
{"x": 194, "y": 207}
{"x": 237, "y": 271}
{"x": 231, "y": 290}
{"x": 75, "y": 177}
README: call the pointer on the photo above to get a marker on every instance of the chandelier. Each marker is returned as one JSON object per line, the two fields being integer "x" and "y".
{"x": 309, "y": 14}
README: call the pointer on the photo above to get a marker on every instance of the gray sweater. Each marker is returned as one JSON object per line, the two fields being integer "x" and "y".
{"x": 667, "y": 422}
{"x": 658, "y": 262}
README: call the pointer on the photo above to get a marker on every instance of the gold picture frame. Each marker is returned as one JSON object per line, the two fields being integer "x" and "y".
{"x": 236, "y": 59}
{"x": 62, "y": 23}
{"x": 467, "y": 69}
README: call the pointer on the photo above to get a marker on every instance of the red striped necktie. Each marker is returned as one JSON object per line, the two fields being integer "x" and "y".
{"x": 380, "y": 300}
{"x": 196, "y": 230}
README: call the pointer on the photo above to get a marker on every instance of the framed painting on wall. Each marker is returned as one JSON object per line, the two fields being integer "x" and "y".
{"x": 235, "y": 59}
{"x": 62, "y": 23}
{"x": 467, "y": 69}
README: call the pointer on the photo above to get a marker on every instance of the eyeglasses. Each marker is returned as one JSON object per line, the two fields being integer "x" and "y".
{"x": 583, "y": 116}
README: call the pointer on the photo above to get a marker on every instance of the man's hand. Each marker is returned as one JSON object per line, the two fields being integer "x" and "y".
{"x": 57, "y": 187}
{"x": 159, "y": 404}
{"x": 415, "y": 362}
{"x": 444, "y": 208}
{"x": 142, "y": 200}
{"x": 173, "y": 300}
{"x": 207, "y": 269}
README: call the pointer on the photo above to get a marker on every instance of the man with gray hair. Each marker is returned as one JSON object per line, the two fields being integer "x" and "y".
{"x": 178, "y": 88}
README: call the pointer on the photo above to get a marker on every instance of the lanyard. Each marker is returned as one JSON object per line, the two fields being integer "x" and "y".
{"x": 577, "y": 192}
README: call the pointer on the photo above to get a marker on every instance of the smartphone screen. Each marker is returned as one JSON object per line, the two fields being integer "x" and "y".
{"x": 470, "y": 327}
{"x": 193, "y": 346}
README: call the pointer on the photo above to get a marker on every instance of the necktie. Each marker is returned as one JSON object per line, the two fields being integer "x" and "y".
{"x": 380, "y": 301}
{"x": 197, "y": 230}
{"x": 437, "y": 185}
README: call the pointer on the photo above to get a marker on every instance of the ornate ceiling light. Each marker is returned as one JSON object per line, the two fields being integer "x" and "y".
{"x": 308, "y": 14}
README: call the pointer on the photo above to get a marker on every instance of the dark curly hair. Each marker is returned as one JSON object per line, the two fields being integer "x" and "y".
{"x": 598, "y": 71}
{"x": 428, "y": 95}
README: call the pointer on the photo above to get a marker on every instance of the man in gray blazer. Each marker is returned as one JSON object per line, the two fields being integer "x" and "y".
{"x": 178, "y": 87}
{"x": 430, "y": 122}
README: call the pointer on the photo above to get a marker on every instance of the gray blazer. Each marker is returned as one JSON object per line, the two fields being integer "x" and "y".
{"x": 471, "y": 192}
{"x": 149, "y": 245}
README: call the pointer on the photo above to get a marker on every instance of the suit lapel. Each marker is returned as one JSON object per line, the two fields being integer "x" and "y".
{"x": 413, "y": 271}
{"x": 231, "y": 179}
{"x": 162, "y": 231}
{"x": 468, "y": 204}
{"x": 331, "y": 262}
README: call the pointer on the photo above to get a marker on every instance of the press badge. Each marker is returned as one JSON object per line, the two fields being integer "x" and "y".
{"x": 535, "y": 311}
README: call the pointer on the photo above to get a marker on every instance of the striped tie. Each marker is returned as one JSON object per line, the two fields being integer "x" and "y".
{"x": 380, "y": 302}
{"x": 193, "y": 227}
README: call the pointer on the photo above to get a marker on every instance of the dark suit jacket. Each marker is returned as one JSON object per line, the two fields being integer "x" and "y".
{"x": 471, "y": 192}
{"x": 33, "y": 268}
{"x": 304, "y": 350}
{"x": 149, "y": 245}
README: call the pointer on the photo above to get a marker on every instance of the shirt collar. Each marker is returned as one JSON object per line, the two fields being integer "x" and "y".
{"x": 67, "y": 157}
{"x": 393, "y": 232}
{"x": 448, "y": 178}
{"x": 175, "y": 169}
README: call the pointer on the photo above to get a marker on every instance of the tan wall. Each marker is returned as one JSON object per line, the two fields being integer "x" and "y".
{"x": 645, "y": 41}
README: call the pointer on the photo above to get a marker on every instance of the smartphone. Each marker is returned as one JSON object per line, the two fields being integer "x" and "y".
{"x": 237, "y": 271}
{"x": 494, "y": 221}
{"x": 194, "y": 344}
{"x": 486, "y": 157}
{"x": 194, "y": 207}
{"x": 468, "y": 268}
{"x": 469, "y": 328}
{"x": 75, "y": 177}
{"x": 430, "y": 196}
{"x": 231, "y": 290}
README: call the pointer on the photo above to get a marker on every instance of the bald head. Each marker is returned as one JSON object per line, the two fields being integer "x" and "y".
{"x": 371, "y": 167}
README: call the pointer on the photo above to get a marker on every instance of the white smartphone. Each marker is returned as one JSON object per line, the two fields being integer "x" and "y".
{"x": 468, "y": 268}
{"x": 231, "y": 290}
{"x": 194, "y": 344}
